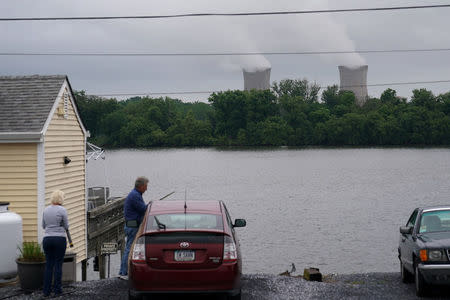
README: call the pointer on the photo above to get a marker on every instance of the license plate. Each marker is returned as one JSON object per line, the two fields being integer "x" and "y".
{"x": 184, "y": 255}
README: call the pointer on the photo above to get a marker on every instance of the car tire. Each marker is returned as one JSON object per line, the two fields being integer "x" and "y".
{"x": 421, "y": 285}
{"x": 235, "y": 297}
{"x": 405, "y": 274}
{"x": 133, "y": 297}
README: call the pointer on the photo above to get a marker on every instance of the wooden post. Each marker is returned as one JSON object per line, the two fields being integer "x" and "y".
{"x": 101, "y": 265}
{"x": 83, "y": 269}
{"x": 122, "y": 247}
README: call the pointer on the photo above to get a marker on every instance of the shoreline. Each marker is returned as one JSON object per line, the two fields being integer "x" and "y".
{"x": 257, "y": 286}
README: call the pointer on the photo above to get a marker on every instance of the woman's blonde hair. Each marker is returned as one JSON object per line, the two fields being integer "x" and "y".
{"x": 57, "y": 197}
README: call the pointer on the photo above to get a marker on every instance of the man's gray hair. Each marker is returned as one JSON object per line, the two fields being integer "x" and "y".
{"x": 140, "y": 181}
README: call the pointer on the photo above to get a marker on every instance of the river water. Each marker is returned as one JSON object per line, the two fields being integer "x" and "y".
{"x": 335, "y": 209}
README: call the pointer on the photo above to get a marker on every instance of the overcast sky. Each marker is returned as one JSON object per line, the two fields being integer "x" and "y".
{"x": 408, "y": 29}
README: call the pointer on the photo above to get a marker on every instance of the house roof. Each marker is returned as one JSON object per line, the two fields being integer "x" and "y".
{"x": 26, "y": 102}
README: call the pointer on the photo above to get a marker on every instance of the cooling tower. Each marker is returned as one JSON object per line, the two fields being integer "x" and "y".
{"x": 354, "y": 79}
{"x": 259, "y": 79}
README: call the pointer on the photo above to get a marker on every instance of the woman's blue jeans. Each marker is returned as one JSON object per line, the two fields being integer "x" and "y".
{"x": 54, "y": 249}
{"x": 130, "y": 233}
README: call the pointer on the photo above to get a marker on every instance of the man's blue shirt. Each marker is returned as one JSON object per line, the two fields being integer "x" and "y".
{"x": 134, "y": 207}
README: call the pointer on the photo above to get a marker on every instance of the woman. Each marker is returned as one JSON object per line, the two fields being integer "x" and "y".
{"x": 55, "y": 223}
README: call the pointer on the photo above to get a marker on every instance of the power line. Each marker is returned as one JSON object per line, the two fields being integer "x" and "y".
{"x": 404, "y": 83}
{"x": 321, "y": 87}
{"x": 222, "y": 53}
{"x": 155, "y": 93}
{"x": 294, "y": 12}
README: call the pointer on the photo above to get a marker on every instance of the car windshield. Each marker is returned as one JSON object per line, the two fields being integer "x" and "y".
{"x": 185, "y": 221}
{"x": 435, "y": 221}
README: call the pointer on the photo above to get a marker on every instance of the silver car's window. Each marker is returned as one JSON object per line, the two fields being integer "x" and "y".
{"x": 186, "y": 221}
{"x": 435, "y": 221}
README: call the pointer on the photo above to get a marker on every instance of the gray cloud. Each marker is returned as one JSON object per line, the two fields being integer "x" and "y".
{"x": 382, "y": 30}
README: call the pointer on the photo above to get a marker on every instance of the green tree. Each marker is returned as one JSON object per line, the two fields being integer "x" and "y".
{"x": 330, "y": 96}
{"x": 110, "y": 127}
{"x": 423, "y": 97}
{"x": 293, "y": 109}
{"x": 374, "y": 128}
{"x": 274, "y": 131}
{"x": 92, "y": 109}
{"x": 414, "y": 123}
{"x": 230, "y": 109}
{"x": 346, "y": 104}
{"x": 202, "y": 111}
{"x": 389, "y": 96}
{"x": 320, "y": 115}
{"x": 297, "y": 88}
{"x": 288, "y": 115}
{"x": 320, "y": 134}
{"x": 260, "y": 105}
{"x": 444, "y": 100}
{"x": 188, "y": 132}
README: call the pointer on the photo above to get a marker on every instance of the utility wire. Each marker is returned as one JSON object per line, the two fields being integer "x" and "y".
{"x": 293, "y": 12}
{"x": 321, "y": 87}
{"x": 220, "y": 53}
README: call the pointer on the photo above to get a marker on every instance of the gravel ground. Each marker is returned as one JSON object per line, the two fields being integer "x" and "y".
{"x": 260, "y": 286}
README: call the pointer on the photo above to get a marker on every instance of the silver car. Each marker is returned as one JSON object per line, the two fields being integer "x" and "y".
{"x": 424, "y": 248}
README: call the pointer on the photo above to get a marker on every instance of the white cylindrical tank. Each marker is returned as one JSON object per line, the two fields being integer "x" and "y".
{"x": 258, "y": 79}
{"x": 10, "y": 239}
{"x": 354, "y": 79}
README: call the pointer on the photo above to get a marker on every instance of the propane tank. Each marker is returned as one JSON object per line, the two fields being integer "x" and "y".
{"x": 11, "y": 239}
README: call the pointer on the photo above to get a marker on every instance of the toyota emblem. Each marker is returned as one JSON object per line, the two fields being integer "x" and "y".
{"x": 184, "y": 244}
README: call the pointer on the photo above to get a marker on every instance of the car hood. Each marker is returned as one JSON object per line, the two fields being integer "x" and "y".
{"x": 436, "y": 239}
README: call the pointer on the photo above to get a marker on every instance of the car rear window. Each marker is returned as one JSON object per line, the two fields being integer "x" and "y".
{"x": 185, "y": 221}
{"x": 435, "y": 221}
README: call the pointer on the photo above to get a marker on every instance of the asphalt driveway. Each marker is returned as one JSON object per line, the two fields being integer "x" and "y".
{"x": 260, "y": 286}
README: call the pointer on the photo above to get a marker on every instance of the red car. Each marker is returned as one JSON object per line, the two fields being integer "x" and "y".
{"x": 186, "y": 247}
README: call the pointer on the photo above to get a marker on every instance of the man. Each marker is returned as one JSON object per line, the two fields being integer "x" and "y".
{"x": 133, "y": 211}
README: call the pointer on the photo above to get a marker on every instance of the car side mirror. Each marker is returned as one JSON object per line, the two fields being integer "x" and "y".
{"x": 406, "y": 229}
{"x": 239, "y": 223}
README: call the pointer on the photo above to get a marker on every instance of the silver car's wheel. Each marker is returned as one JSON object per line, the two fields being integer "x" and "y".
{"x": 421, "y": 285}
{"x": 406, "y": 275}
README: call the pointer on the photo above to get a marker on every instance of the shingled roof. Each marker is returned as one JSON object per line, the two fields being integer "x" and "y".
{"x": 26, "y": 102}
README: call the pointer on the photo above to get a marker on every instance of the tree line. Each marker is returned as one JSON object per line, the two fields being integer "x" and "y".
{"x": 290, "y": 113}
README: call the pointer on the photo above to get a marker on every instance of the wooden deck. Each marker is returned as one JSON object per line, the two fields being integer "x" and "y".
{"x": 105, "y": 224}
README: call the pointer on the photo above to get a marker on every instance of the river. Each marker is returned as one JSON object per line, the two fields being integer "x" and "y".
{"x": 335, "y": 209}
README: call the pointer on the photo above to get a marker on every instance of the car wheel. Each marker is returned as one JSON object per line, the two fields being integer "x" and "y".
{"x": 133, "y": 297}
{"x": 235, "y": 297}
{"x": 421, "y": 285}
{"x": 406, "y": 275}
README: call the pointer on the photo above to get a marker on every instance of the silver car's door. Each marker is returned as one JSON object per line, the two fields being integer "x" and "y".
{"x": 407, "y": 243}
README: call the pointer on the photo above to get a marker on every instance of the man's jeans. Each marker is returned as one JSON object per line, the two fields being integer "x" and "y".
{"x": 130, "y": 233}
{"x": 54, "y": 249}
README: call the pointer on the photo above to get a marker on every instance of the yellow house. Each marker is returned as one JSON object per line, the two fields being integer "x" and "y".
{"x": 42, "y": 148}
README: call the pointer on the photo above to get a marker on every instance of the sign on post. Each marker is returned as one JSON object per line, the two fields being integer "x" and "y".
{"x": 109, "y": 248}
